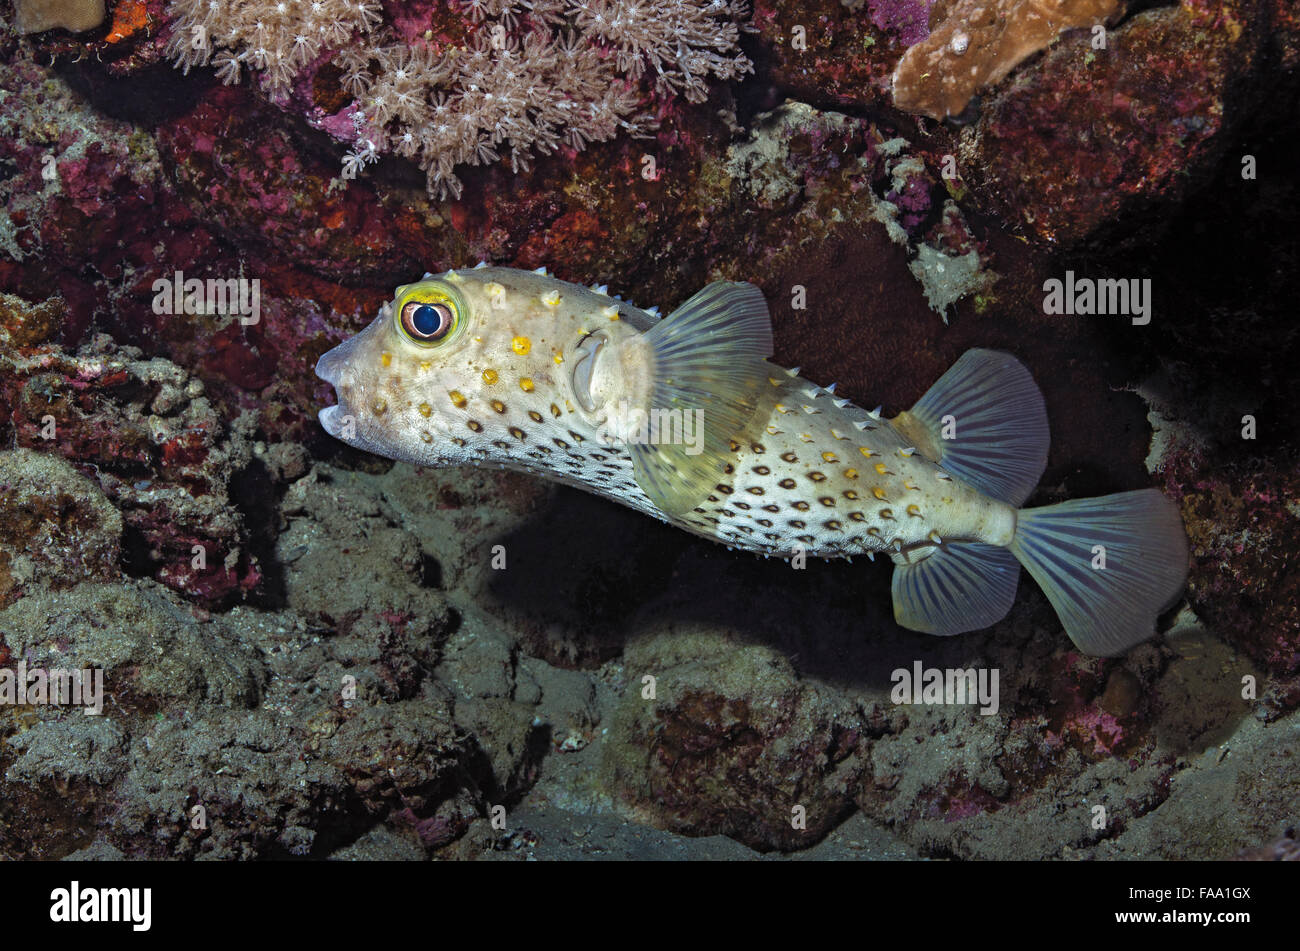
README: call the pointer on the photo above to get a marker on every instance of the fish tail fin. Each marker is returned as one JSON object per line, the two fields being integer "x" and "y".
{"x": 1109, "y": 565}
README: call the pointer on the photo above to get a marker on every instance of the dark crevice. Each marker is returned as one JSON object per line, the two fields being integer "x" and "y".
{"x": 257, "y": 497}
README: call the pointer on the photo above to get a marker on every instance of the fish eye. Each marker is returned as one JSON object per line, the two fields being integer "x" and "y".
{"x": 428, "y": 313}
{"x": 427, "y": 321}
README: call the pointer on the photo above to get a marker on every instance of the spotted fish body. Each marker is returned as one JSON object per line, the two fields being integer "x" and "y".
{"x": 496, "y": 366}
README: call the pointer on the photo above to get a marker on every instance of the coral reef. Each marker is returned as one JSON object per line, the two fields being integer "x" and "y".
{"x": 734, "y": 744}
{"x": 1158, "y": 100}
{"x": 527, "y": 77}
{"x": 312, "y": 652}
{"x": 977, "y": 43}
{"x": 154, "y": 445}
{"x": 36, "y": 16}
{"x": 57, "y": 527}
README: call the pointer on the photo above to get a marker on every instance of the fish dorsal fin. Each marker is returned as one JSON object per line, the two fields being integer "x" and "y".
{"x": 707, "y": 376}
{"x": 985, "y": 423}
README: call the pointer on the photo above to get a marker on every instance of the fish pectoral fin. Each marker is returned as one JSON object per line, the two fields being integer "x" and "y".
{"x": 708, "y": 374}
{"x": 985, "y": 423}
{"x": 961, "y": 587}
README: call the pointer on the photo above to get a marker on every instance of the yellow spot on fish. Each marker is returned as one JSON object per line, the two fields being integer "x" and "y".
{"x": 881, "y": 468}
{"x": 386, "y": 359}
{"x": 909, "y": 484}
{"x": 850, "y": 473}
{"x": 425, "y": 366}
{"x": 496, "y": 294}
{"x": 490, "y": 377}
{"x": 774, "y": 381}
{"x": 499, "y": 406}
{"x": 455, "y": 277}
{"x": 551, "y": 298}
{"x": 914, "y": 509}
{"x": 521, "y": 345}
{"x": 559, "y": 357}
{"x": 424, "y": 434}
{"x": 425, "y": 409}
{"x": 458, "y": 399}
{"x": 829, "y": 457}
{"x": 806, "y": 437}
{"x": 526, "y": 384}
{"x": 887, "y": 513}
{"x": 611, "y": 312}
{"x": 879, "y": 493}
{"x": 865, "y": 451}
{"x": 782, "y": 408}
{"x": 380, "y": 406}
{"x": 555, "y": 411}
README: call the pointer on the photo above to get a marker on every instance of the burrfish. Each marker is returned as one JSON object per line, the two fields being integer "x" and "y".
{"x": 686, "y": 419}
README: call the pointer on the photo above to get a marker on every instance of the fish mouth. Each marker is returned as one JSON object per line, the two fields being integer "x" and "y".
{"x": 330, "y": 369}
{"x": 331, "y": 420}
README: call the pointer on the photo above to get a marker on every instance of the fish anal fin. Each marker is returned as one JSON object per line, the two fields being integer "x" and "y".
{"x": 961, "y": 587}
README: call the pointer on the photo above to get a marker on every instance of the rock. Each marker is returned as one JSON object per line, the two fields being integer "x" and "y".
{"x": 36, "y": 16}
{"x": 1084, "y": 139}
{"x": 149, "y": 645}
{"x": 56, "y": 527}
{"x": 732, "y": 742}
{"x": 346, "y": 554}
